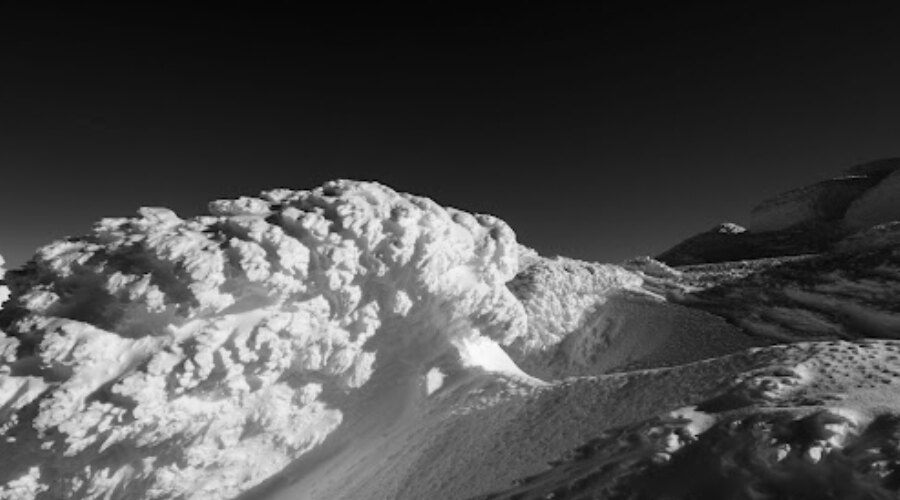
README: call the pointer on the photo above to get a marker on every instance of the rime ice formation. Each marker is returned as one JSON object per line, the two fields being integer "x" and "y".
{"x": 586, "y": 318}
{"x": 353, "y": 342}
{"x": 162, "y": 358}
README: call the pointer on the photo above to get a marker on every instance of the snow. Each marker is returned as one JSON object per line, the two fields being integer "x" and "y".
{"x": 586, "y": 318}
{"x": 824, "y": 201}
{"x": 166, "y": 357}
{"x": 354, "y": 342}
{"x": 866, "y": 196}
{"x": 434, "y": 379}
{"x": 778, "y": 429}
{"x": 4, "y": 291}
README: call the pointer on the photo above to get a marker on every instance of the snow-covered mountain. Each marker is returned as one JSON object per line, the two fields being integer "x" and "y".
{"x": 352, "y": 342}
{"x": 801, "y": 221}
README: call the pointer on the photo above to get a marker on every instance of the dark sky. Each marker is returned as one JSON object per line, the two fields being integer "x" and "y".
{"x": 596, "y": 134}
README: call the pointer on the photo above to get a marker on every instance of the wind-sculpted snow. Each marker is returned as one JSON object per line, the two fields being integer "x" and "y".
{"x": 558, "y": 293}
{"x": 877, "y": 205}
{"x": 353, "y": 342}
{"x": 787, "y": 427}
{"x": 160, "y": 357}
{"x": 586, "y": 319}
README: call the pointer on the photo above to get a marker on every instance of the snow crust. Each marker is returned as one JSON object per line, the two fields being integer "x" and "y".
{"x": 160, "y": 357}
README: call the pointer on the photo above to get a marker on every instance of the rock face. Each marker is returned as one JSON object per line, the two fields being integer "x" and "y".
{"x": 354, "y": 342}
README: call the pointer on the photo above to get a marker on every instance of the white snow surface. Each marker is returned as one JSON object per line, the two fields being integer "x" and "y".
{"x": 159, "y": 357}
{"x": 354, "y": 342}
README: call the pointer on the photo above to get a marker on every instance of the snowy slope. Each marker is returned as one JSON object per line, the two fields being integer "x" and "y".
{"x": 586, "y": 318}
{"x": 877, "y": 205}
{"x": 805, "y": 220}
{"x": 164, "y": 358}
{"x": 353, "y": 342}
{"x": 866, "y": 186}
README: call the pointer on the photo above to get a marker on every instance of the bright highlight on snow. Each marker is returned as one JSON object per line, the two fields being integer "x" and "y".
{"x": 355, "y": 342}
{"x": 226, "y": 343}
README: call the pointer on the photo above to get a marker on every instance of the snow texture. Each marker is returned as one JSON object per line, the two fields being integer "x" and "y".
{"x": 586, "y": 318}
{"x": 825, "y": 201}
{"x": 802, "y": 221}
{"x": 159, "y": 357}
{"x": 779, "y": 427}
{"x": 354, "y": 342}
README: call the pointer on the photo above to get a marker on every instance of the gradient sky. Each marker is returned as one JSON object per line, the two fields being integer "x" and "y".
{"x": 596, "y": 134}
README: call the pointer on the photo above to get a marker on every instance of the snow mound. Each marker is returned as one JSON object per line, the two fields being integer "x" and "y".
{"x": 587, "y": 319}
{"x": 557, "y": 294}
{"x": 160, "y": 357}
{"x": 858, "y": 189}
